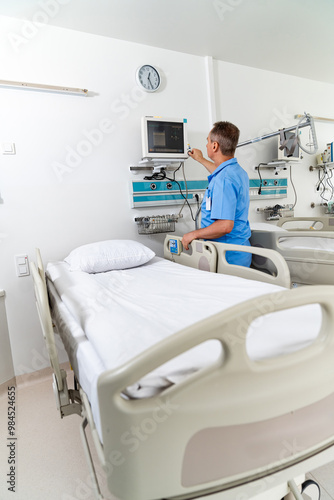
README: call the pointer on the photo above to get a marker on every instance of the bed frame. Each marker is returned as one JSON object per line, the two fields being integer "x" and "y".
{"x": 307, "y": 267}
{"x": 324, "y": 223}
{"x": 244, "y": 440}
{"x": 211, "y": 256}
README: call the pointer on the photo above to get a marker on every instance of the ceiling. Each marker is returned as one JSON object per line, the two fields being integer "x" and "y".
{"x": 295, "y": 37}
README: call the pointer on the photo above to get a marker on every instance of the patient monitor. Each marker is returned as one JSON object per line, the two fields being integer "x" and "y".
{"x": 164, "y": 138}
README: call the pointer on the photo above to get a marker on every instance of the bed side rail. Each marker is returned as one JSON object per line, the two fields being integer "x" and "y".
{"x": 245, "y": 390}
{"x": 321, "y": 223}
{"x": 67, "y": 399}
{"x": 201, "y": 254}
{"x": 230, "y": 327}
{"x": 210, "y": 256}
{"x": 280, "y": 274}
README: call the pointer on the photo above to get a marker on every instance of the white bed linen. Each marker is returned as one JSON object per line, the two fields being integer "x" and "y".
{"x": 113, "y": 316}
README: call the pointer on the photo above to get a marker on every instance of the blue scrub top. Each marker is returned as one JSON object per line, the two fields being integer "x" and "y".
{"x": 227, "y": 198}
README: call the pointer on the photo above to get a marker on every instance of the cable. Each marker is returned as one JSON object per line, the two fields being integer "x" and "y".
{"x": 329, "y": 175}
{"x": 186, "y": 200}
{"x": 198, "y": 211}
{"x": 258, "y": 171}
{"x": 294, "y": 189}
{"x": 312, "y": 130}
{"x": 325, "y": 183}
{"x": 160, "y": 176}
{"x": 185, "y": 183}
{"x": 157, "y": 176}
{"x": 321, "y": 183}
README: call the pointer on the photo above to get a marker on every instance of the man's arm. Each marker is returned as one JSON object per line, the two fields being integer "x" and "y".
{"x": 197, "y": 155}
{"x": 211, "y": 232}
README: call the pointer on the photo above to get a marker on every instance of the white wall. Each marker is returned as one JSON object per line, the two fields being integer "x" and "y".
{"x": 59, "y": 192}
{"x": 90, "y": 201}
{"x": 261, "y": 102}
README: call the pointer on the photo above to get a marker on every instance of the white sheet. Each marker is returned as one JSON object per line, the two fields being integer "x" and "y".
{"x": 114, "y": 316}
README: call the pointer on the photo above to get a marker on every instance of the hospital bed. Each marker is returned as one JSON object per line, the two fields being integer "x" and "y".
{"x": 195, "y": 384}
{"x": 307, "y": 245}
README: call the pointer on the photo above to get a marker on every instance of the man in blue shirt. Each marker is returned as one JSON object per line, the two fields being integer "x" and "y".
{"x": 225, "y": 205}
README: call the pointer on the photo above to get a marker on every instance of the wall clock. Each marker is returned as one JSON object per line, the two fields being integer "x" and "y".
{"x": 148, "y": 78}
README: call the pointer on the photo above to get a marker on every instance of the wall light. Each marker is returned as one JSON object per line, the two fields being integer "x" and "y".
{"x": 45, "y": 88}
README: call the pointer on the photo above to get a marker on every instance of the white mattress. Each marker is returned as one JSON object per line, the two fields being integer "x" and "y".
{"x": 109, "y": 318}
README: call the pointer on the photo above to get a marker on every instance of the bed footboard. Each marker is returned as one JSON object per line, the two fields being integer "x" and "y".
{"x": 230, "y": 425}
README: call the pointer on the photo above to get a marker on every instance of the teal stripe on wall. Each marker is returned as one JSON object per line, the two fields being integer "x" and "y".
{"x": 145, "y": 186}
{"x": 255, "y": 183}
{"x": 160, "y": 197}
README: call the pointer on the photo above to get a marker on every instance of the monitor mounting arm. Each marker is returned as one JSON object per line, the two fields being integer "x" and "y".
{"x": 305, "y": 121}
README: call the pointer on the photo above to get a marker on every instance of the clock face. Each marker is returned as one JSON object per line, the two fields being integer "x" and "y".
{"x": 148, "y": 78}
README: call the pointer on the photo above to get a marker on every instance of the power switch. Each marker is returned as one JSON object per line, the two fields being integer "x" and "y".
{"x": 22, "y": 265}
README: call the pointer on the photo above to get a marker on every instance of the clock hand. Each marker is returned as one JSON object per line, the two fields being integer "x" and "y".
{"x": 149, "y": 79}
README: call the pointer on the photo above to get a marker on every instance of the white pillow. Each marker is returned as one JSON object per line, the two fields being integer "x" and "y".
{"x": 108, "y": 255}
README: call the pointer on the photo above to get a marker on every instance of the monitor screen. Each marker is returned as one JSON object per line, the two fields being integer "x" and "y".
{"x": 164, "y": 138}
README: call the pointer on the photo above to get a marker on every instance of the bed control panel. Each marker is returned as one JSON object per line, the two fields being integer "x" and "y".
{"x": 201, "y": 254}
{"x": 175, "y": 246}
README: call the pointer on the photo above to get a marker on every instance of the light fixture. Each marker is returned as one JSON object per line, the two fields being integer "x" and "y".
{"x": 42, "y": 87}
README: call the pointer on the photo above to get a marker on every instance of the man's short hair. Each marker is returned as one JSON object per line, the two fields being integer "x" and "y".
{"x": 227, "y": 136}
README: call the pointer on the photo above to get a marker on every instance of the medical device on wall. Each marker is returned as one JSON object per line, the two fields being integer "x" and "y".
{"x": 164, "y": 138}
{"x": 164, "y": 148}
{"x": 325, "y": 183}
{"x": 288, "y": 147}
{"x": 277, "y": 211}
{"x": 305, "y": 121}
{"x": 327, "y": 156}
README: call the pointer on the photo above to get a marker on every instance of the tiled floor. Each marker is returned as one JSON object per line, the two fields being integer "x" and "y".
{"x": 50, "y": 464}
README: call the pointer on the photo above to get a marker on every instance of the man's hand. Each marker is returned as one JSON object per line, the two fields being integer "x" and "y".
{"x": 187, "y": 239}
{"x": 211, "y": 232}
{"x": 196, "y": 154}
